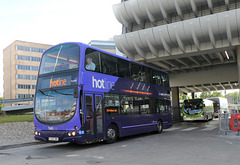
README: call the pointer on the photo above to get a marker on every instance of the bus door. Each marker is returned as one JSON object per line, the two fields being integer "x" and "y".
{"x": 94, "y": 116}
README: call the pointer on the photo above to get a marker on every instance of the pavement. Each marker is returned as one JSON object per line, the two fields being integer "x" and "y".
{"x": 16, "y": 133}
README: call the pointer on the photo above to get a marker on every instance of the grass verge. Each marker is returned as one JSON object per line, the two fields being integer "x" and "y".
{"x": 16, "y": 118}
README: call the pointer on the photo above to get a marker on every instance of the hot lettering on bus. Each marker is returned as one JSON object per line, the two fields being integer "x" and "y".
{"x": 111, "y": 110}
{"x": 58, "y": 82}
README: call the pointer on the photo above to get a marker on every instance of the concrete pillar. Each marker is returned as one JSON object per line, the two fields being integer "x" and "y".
{"x": 175, "y": 104}
{"x": 238, "y": 64}
{"x": 193, "y": 95}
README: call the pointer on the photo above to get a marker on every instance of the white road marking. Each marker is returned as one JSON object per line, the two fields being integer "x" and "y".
{"x": 124, "y": 145}
{"x": 228, "y": 142}
{"x": 190, "y": 129}
{"x": 96, "y": 157}
{"x": 209, "y": 129}
{"x": 172, "y": 129}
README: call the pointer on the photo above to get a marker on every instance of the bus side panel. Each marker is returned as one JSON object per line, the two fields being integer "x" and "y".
{"x": 137, "y": 124}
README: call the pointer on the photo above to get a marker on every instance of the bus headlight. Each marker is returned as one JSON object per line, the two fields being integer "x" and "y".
{"x": 69, "y": 134}
{"x": 37, "y": 133}
{"x": 73, "y": 133}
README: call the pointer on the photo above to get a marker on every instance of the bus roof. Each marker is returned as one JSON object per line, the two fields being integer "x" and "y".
{"x": 86, "y": 45}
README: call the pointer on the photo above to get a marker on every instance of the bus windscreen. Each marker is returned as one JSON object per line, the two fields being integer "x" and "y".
{"x": 56, "y": 106}
{"x": 59, "y": 58}
{"x": 193, "y": 107}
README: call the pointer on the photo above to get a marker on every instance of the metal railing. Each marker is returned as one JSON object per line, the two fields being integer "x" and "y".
{"x": 15, "y": 100}
{"x": 224, "y": 128}
{"x": 22, "y": 108}
{"x": 224, "y": 123}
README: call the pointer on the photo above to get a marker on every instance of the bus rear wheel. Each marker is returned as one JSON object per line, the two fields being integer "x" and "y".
{"x": 159, "y": 127}
{"x": 112, "y": 134}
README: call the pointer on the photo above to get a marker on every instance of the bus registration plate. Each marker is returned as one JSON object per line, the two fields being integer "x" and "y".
{"x": 55, "y": 139}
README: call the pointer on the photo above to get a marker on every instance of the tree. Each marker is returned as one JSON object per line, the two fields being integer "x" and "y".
{"x": 216, "y": 94}
{"x": 205, "y": 95}
{"x": 182, "y": 97}
{"x": 235, "y": 97}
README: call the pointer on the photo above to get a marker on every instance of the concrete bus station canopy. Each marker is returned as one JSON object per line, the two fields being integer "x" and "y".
{"x": 195, "y": 41}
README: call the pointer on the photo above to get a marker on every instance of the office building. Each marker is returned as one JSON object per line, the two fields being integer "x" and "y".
{"x": 20, "y": 66}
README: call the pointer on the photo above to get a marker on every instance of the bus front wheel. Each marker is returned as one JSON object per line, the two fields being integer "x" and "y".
{"x": 159, "y": 127}
{"x": 112, "y": 134}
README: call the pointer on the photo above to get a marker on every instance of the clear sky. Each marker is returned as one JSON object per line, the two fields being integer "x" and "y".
{"x": 55, "y": 21}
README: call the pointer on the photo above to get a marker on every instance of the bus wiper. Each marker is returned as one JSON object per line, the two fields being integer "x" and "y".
{"x": 60, "y": 92}
{"x": 44, "y": 93}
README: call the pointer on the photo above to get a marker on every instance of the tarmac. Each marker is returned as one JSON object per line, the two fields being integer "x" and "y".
{"x": 185, "y": 143}
{"x": 19, "y": 133}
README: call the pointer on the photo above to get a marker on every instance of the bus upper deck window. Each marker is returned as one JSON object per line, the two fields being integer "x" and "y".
{"x": 92, "y": 60}
{"x": 61, "y": 57}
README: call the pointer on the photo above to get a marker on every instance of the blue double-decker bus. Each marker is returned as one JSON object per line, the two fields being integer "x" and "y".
{"x": 86, "y": 95}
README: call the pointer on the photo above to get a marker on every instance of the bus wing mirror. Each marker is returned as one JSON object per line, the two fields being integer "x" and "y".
{"x": 75, "y": 93}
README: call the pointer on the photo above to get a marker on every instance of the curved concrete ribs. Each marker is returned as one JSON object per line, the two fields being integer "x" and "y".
{"x": 136, "y": 11}
{"x": 203, "y": 33}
